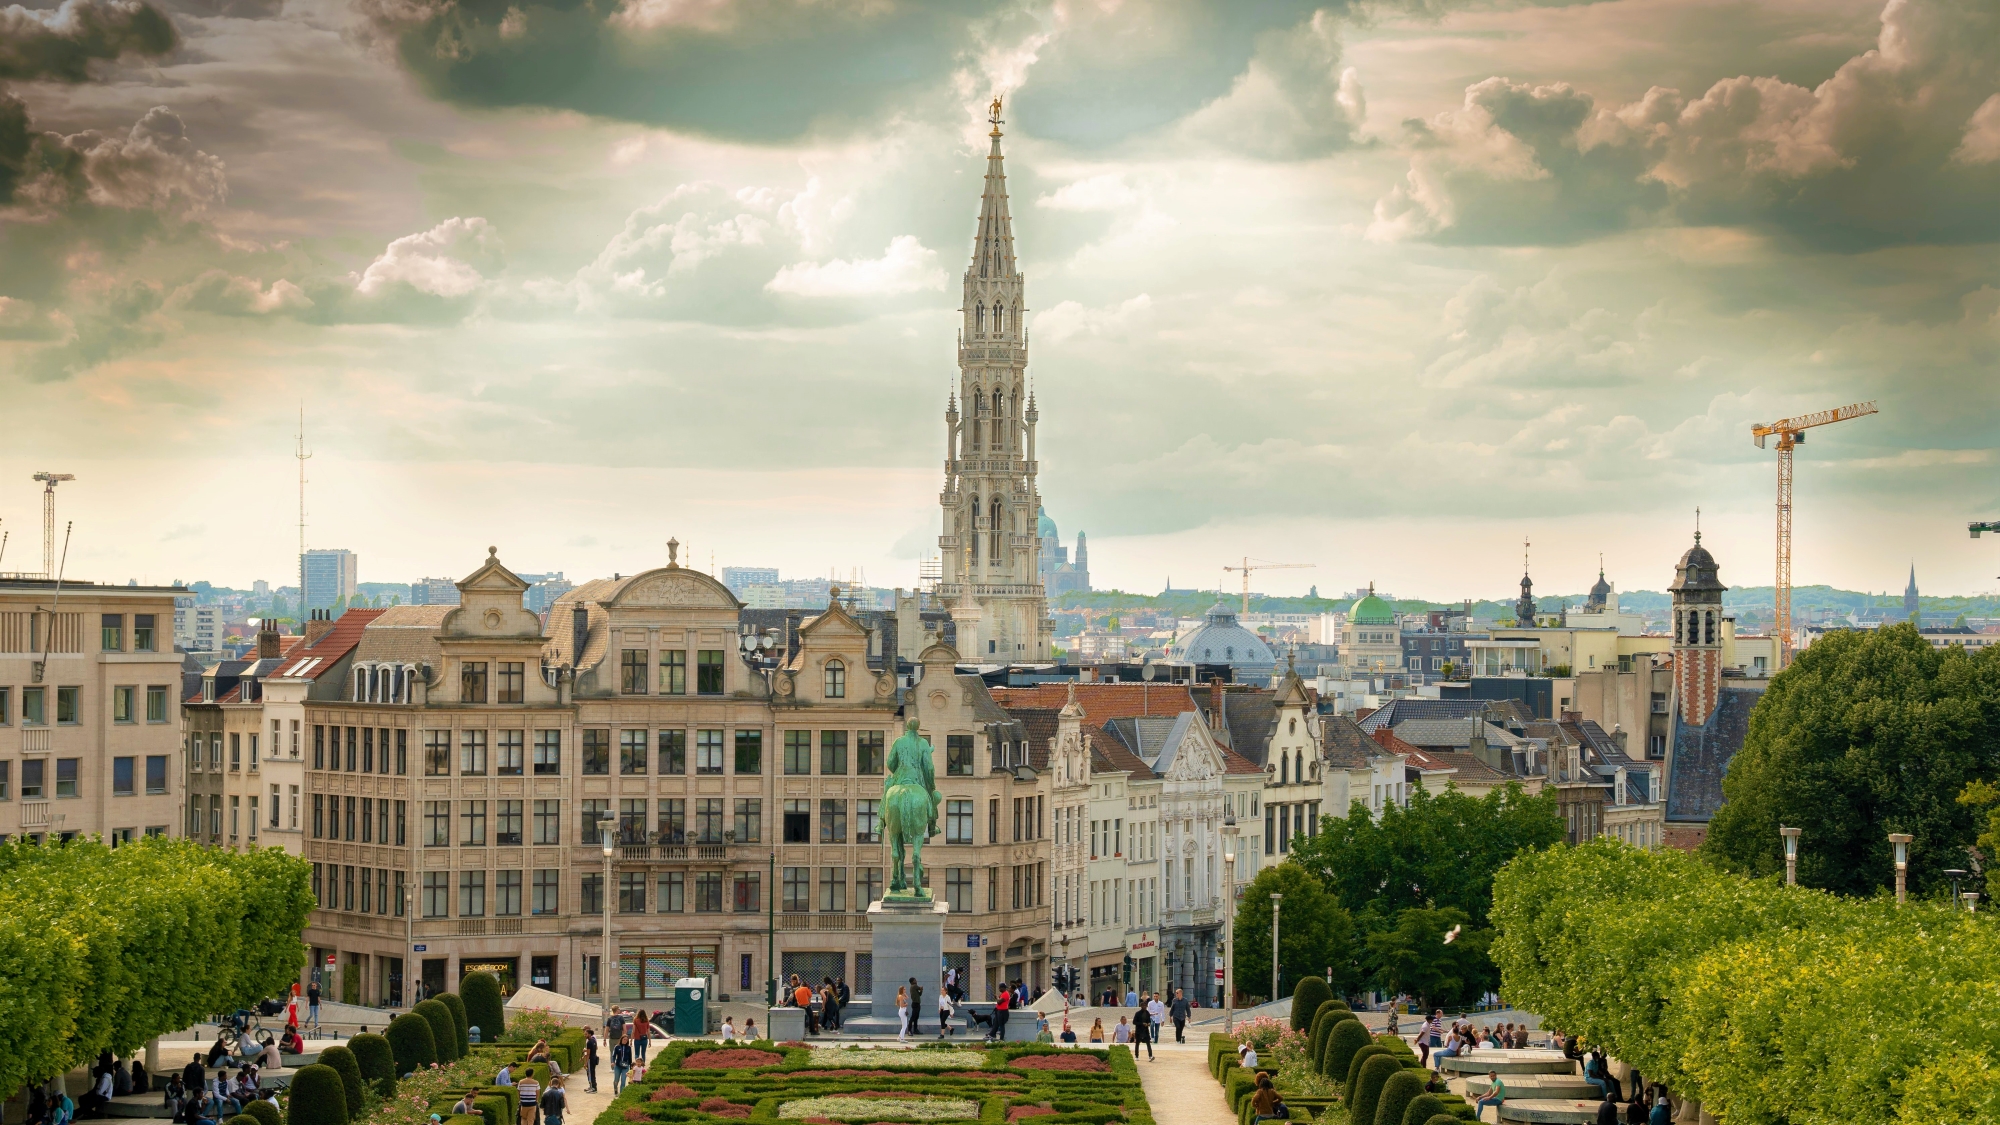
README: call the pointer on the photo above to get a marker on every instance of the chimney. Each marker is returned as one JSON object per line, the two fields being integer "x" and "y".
{"x": 579, "y": 633}
{"x": 1618, "y": 736}
{"x": 319, "y": 625}
{"x": 1215, "y": 702}
{"x": 267, "y": 639}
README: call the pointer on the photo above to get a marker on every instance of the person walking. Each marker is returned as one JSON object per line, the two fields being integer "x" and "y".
{"x": 916, "y": 1007}
{"x": 1180, "y": 1016}
{"x": 528, "y": 1091}
{"x": 554, "y": 1101}
{"x": 590, "y": 1057}
{"x": 1157, "y": 1009}
{"x": 1001, "y": 1004}
{"x": 642, "y": 1026}
{"x": 621, "y": 1064}
{"x": 1131, "y": 998}
{"x": 1142, "y": 1031}
{"x": 829, "y": 1005}
{"x": 945, "y": 1010}
{"x": 842, "y": 993}
{"x": 312, "y": 1001}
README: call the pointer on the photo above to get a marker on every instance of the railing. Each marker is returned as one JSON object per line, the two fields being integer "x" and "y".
{"x": 672, "y": 853}
{"x": 34, "y": 814}
{"x": 35, "y": 740}
{"x": 506, "y": 925}
{"x": 794, "y": 923}
{"x": 472, "y": 927}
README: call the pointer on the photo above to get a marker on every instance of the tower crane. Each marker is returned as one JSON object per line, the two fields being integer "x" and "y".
{"x": 1250, "y": 565}
{"x": 49, "y": 482}
{"x": 1790, "y": 432}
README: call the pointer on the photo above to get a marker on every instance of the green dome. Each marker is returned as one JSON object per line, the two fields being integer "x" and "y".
{"x": 1371, "y": 610}
{"x": 1045, "y": 528}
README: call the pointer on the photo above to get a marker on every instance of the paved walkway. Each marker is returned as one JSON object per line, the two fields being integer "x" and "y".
{"x": 1179, "y": 1087}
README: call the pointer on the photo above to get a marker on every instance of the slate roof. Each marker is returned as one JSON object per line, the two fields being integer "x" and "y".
{"x": 1041, "y": 725}
{"x": 1603, "y": 749}
{"x": 403, "y": 634}
{"x": 1251, "y": 717}
{"x": 1343, "y": 745}
{"x": 1108, "y": 753}
{"x": 1701, "y": 754}
{"x": 1144, "y": 734}
{"x": 1433, "y": 734}
{"x": 1398, "y": 711}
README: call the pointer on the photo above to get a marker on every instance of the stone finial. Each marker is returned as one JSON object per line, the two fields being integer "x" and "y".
{"x": 673, "y": 553}
{"x": 492, "y": 554}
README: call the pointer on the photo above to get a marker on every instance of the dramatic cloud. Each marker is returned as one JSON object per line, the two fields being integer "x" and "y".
{"x": 216, "y": 291}
{"x": 907, "y": 266}
{"x": 1295, "y": 100}
{"x": 59, "y": 44}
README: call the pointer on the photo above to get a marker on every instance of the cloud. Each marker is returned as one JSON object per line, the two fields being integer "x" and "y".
{"x": 218, "y": 291}
{"x": 1107, "y": 192}
{"x": 1294, "y": 101}
{"x": 1892, "y": 149}
{"x": 24, "y": 320}
{"x": 59, "y": 44}
{"x": 1069, "y": 319}
{"x": 123, "y": 318}
{"x": 446, "y": 261}
{"x": 907, "y": 266}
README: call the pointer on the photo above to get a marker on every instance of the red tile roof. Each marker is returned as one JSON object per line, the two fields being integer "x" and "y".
{"x": 1101, "y": 702}
{"x": 1232, "y": 762}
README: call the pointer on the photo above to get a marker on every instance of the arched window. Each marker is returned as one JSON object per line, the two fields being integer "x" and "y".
{"x": 836, "y": 680}
{"x": 994, "y": 539}
{"x": 999, "y": 321}
{"x": 979, "y": 318}
{"x": 1292, "y": 726}
{"x": 1285, "y": 768}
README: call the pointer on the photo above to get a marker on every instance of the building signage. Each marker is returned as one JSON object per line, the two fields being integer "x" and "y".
{"x": 974, "y": 941}
{"x": 1147, "y": 944}
{"x": 420, "y": 948}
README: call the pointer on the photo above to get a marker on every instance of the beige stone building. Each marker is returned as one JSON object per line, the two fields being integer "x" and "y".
{"x": 89, "y": 724}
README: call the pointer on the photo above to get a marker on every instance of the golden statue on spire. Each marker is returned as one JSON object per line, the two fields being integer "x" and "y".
{"x": 993, "y": 115}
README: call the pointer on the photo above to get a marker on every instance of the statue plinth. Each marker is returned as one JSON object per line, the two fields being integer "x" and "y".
{"x": 908, "y": 941}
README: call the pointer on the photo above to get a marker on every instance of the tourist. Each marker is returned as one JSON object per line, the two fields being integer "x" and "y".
{"x": 1097, "y": 1030}
{"x": 1598, "y": 1073}
{"x": 1122, "y": 1033}
{"x": 312, "y": 1001}
{"x": 1496, "y": 1092}
{"x": 176, "y": 1093}
{"x": 1180, "y": 1015}
{"x": 1635, "y": 1110}
{"x": 1246, "y": 1056}
{"x": 621, "y": 1065}
{"x": 270, "y": 1058}
{"x": 1001, "y": 1004}
{"x": 142, "y": 1081}
{"x": 464, "y": 1107}
{"x": 505, "y": 1077}
{"x": 290, "y": 1042}
{"x": 1661, "y": 1115}
{"x": 642, "y": 1027}
{"x": 840, "y": 991}
{"x": 902, "y": 1015}
{"x": 829, "y": 1005}
{"x": 750, "y": 1029}
{"x": 614, "y": 1028}
{"x": 554, "y": 1101}
{"x": 539, "y": 1053}
{"x": 1266, "y": 1102}
{"x": 916, "y": 1007}
{"x": 1131, "y": 998}
{"x": 528, "y": 1090}
{"x": 802, "y": 997}
{"x": 1042, "y": 1030}
{"x": 1430, "y": 1035}
{"x": 945, "y": 1010}
{"x": 1157, "y": 1011}
{"x": 1607, "y": 1111}
{"x": 1068, "y": 1035}
{"x": 121, "y": 1079}
{"x": 1142, "y": 1031}
{"x": 93, "y": 1102}
{"x": 590, "y": 1056}
{"x": 1453, "y": 1047}
{"x": 729, "y": 1029}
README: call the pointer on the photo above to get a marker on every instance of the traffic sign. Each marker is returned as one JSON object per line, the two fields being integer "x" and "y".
{"x": 329, "y": 958}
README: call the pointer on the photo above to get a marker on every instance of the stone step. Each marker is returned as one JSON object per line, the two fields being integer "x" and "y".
{"x": 1560, "y": 1087}
{"x": 1564, "y": 1111}
{"x": 1507, "y": 1061}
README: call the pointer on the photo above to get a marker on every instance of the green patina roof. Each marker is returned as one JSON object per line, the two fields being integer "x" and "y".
{"x": 1371, "y": 610}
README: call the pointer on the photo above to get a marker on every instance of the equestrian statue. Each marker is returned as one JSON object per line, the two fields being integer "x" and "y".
{"x": 910, "y": 801}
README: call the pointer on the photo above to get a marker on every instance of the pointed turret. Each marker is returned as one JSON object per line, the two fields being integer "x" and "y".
{"x": 993, "y": 248}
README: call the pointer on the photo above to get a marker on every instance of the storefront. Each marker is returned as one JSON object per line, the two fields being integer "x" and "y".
{"x": 650, "y": 972}
{"x": 1145, "y": 971}
{"x": 500, "y": 967}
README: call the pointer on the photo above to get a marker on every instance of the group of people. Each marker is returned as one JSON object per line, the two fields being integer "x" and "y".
{"x": 49, "y": 1102}
{"x": 823, "y": 1005}
{"x": 1435, "y": 1041}
{"x": 193, "y": 1098}
{"x": 630, "y": 1034}
{"x": 540, "y": 1105}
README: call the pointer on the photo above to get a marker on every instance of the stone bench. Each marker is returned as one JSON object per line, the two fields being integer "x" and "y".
{"x": 1567, "y": 1111}
{"x": 1502, "y": 1060}
{"x": 1559, "y": 1087}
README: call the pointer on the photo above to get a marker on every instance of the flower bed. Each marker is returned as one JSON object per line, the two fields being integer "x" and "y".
{"x": 957, "y": 1058}
{"x": 1076, "y": 1061}
{"x": 862, "y": 1108}
{"x": 734, "y": 1059}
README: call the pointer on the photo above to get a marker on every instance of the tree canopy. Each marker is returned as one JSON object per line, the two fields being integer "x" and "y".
{"x": 1413, "y": 957}
{"x": 1867, "y": 733}
{"x": 1314, "y": 932}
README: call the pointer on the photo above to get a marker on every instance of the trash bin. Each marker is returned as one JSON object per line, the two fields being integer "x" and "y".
{"x": 691, "y": 1006}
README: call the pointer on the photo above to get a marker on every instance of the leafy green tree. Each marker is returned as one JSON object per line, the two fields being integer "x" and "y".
{"x": 1413, "y": 957}
{"x": 1867, "y": 733}
{"x": 1313, "y": 932}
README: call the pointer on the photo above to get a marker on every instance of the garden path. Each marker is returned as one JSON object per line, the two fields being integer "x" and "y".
{"x": 1179, "y": 1087}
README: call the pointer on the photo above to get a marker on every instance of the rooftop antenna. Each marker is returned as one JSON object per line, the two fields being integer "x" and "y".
{"x": 303, "y": 454}
{"x": 49, "y": 482}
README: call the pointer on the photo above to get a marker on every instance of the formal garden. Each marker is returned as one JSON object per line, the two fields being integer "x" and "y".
{"x": 697, "y": 1082}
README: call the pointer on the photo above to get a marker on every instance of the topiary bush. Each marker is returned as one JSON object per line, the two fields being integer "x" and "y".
{"x": 1319, "y": 1060}
{"x": 413, "y": 1042}
{"x": 1442, "y": 1119}
{"x": 1422, "y": 1108}
{"x": 343, "y": 1060}
{"x": 1349, "y": 1084}
{"x": 1402, "y": 1088}
{"x": 378, "y": 1063}
{"x": 456, "y": 1007}
{"x": 317, "y": 1097}
{"x": 1367, "y": 1093}
{"x": 484, "y": 1007}
{"x": 264, "y": 1112}
{"x": 241, "y": 1119}
{"x": 1306, "y": 999}
{"x": 1343, "y": 1039}
{"x": 444, "y": 1031}
{"x": 1322, "y": 1022}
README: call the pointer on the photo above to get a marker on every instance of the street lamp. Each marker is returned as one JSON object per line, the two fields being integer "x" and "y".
{"x": 1229, "y": 845}
{"x": 1791, "y": 836}
{"x": 1275, "y": 897}
{"x": 1954, "y": 874}
{"x": 1900, "y": 841}
{"x": 605, "y": 967}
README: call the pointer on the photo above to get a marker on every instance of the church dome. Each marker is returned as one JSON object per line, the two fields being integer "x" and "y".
{"x": 1045, "y": 528}
{"x": 1696, "y": 572}
{"x": 1600, "y": 594}
{"x": 1220, "y": 640}
{"x": 1371, "y": 610}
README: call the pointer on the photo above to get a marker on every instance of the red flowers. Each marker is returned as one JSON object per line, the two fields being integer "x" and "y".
{"x": 733, "y": 1059}
{"x": 723, "y": 1107}
{"x": 1015, "y": 1113}
{"x": 1064, "y": 1061}
{"x": 669, "y": 1091}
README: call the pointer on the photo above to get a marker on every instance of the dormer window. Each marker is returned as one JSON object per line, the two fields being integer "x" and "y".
{"x": 836, "y": 680}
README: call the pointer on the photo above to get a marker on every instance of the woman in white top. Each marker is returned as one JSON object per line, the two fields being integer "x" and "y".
{"x": 902, "y": 1015}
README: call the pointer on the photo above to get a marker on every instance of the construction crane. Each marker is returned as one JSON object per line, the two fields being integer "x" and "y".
{"x": 49, "y": 482}
{"x": 1790, "y": 432}
{"x": 1250, "y": 565}
{"x": 1976, "y": 528}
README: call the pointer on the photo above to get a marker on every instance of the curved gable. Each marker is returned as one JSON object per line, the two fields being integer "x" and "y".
{"x": 673, "y": 587}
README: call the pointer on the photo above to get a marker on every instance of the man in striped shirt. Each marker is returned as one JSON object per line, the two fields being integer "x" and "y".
{"x": 529, "y": 1091}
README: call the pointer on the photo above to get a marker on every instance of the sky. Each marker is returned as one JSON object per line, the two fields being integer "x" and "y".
{"x": 1384, "y": 287}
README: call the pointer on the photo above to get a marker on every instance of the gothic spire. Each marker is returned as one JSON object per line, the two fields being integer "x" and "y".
{"x": 993, "y": 252}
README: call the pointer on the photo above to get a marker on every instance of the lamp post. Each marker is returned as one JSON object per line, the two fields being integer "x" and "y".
{"x": 606, "y": 968}
{"x": 1229, "y": 845}
{"x": 1954, "y": 874}
{"x": 1791, "y": 837}
{"x": 1275, "y": 900}
{"x": 771, "y": 937}
{"x": 1900, "y": 841}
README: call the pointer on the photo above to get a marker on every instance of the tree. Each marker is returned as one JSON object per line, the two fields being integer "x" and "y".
{"x": 484, "y": 1009}
{"x": 1313, "y": 932}
{"x": 1867, "y": 733}
{"x": 1413, "y": 957}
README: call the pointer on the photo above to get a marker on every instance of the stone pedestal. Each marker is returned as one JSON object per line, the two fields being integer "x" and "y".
{"x": 782, "y": 1025}
{"x": 908, "y": 941}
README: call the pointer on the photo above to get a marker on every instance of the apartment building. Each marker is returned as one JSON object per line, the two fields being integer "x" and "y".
{"x": 88, "y": 724}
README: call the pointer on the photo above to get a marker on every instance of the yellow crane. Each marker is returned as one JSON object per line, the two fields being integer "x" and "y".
{"x": 1790, "y": 432}
{"x": 1251, "y": 564}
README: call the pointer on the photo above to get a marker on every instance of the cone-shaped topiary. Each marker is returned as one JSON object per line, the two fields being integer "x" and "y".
{"x": 1422, "y": 1108}
{"x": 1398, "y": 1092}
{"x": 1367, "y": 1093}
{"x": 457, "y": 1008}
{"x": 410, "y": 1036}
{"x": 444, "y": 1033}
{"x": 1442, "y": 1119}
{"x": 242, "y": 1119}
{"x": 1306, "y": 999}
{"x": 1361, "y": 1057}
{"x": 378, "y": 1063}
{"x": 1329, "y": 1013}
{"x": 343, "y": 1060}
{"x": 264, "y": 1112}
{"x": 1320, "y": 1061}
{"x": 317, "y": 1097}
{"x": 1343, "y": 1039}
{"x": 484, "y": 1008}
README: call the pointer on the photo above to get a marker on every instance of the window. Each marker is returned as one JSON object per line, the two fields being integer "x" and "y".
{"x": 591, "y": 819}
{"x": 674, "y": 672}
{"x": 32, "y": 713}
{"x": 749, "y": 752}
{"x": 632, "y": 751}
{"x": 798, "y": 751}
{"x": 472, "y": 752}
{"x": 632, "y": 671}
{"x": 506, "y": 827}
{"x": 511, "y": 685}
{"x": 350, "y": 748}
{"x": 867, "y": 887}
{"x": 958, "y": 822}
{"x": 235, "y": 751}
{"x": 318, "y": 821}
{"x": 114, "y": 632}
{"x": 437, "y": 751}
{"x": 708, "y": 892}
{"x": 548, "y": 821}
{"x": 507, "y": 893}
{"x": 749, "y": 820}
{"x": 673, "y": 753}
{"x": 121, "y": 777}
{"x": 832, "y": 821}
{"x": 402, "y": 892}
{"x": 215, "y": 751}
{"x": 472, "y": 681}
{"x": 833, "y": 889}
{"x": 673, "y": 820}
{"x": 868, "y": 753}
{"x": 708, "y": 751}
{"x": 597, "y": 750}
{"x": 708, "y": 671}
{"x": 591, "y": 893}
{"x": 797, "y": 890}
{"x": 833, "y": 752}
{"x": 708, "y": 816}
{"x": 548, "y": 753}
{"x": 253, "y": 817}
{"x": 748, "y": 894}
{"x": 836, "y": 680}
{"x": 868, "y": 821}
{"x": 294, "y": 804}
{"x": 66, "y": 772}
{"x": 993, "y": 820}
{"x": 958, "y": 755}
{"x": 473, "y": 823}
{"x": 437, "y": 894}
{"x": 121, "y": 704}
{"x": 510, "y": 756}
{"x": 368, "y": 819}
{"x": 156, "y": 777}
{"x": 66, "y": 704}
{"x": 437, "y": 822}
{"x": 798, "y": 821}
{"x": 367, "y": 750}
{"x": 548, "y": 895}
{"x": 31, "y": 778}
{"x": 632, "y": 890}
{"x": 632, "y": 820}
{"x": 472, "y": 894}
{"x": 6, "y": 696}
{"x": 958, "y": 889}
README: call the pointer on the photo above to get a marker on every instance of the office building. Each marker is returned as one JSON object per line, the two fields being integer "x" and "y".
{"x": 330, "y": 576}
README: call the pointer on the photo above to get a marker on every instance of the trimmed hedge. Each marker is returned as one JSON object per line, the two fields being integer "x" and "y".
{"x": 1367, "y": 1095}
{"x": 1354, "y": 1065}
{"x": 317, "y": 1097}
{"x": 1402, "y": 1088}
{"x": 1306, "y": 999}
{"x": 378, "y": 1063}
{"x": 444, "y": 1032}
{"x": 1220, "y": 1047}
{"x": 1342, "y": 1041}
{"x": 342, "y": 1059}
{"x": 264, "y": 1112}
{"x": 413, "y": 1042}
{"x": 456, "y": 1007}
{"x": 1323, "y": 1020}
{"x": 484, "y": 1007}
